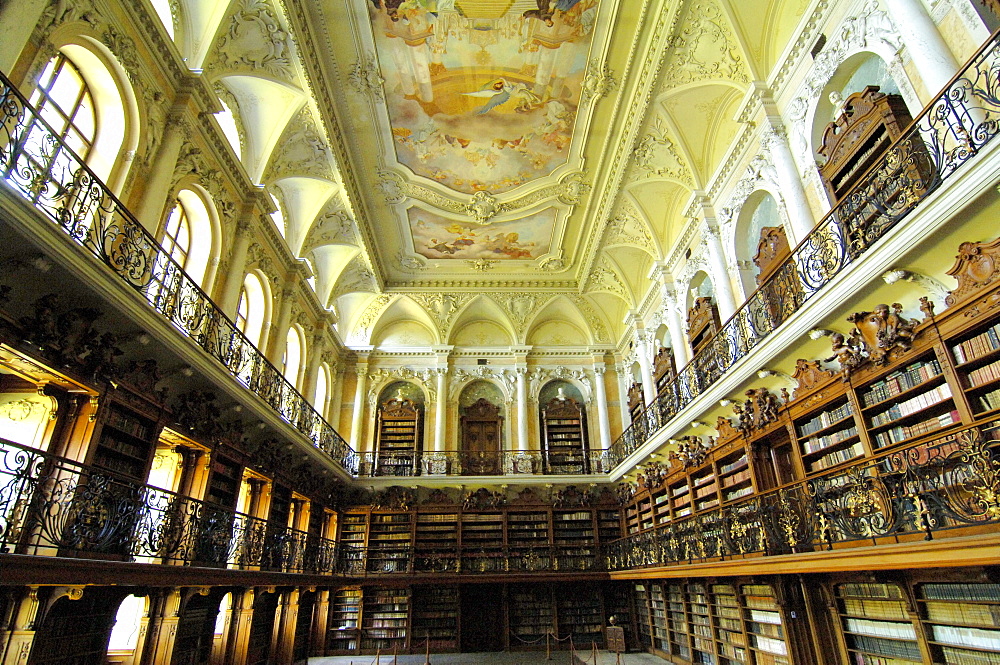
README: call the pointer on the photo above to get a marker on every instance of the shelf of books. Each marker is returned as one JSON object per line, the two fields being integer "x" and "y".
{"x": 705, "y": 488}
{"x": 677, "y": 622}
{"x": 828, "y": 436}
{"x": 435, "y": 619}
{"x": 224, "y": 482}
{"x": 644, "y": 617}
{"x": 528, "y": 530}
{"x": 645, "y": 506}
{"x": 764, "y": 627}
{"x": 126, "y": 443}
{"x": 731, "y": 643}
{"x": 875, "y": 624}
{"x": 389, "y": 538}
{"x": 960, "y": 622}
{"x": 342, "y": 634}
{"x": 632, "y": 517}
{"x": 436, "y": 532}
{"x": 658, "y": 613}
{"x": 734, "y": 476}
{"x": 580, "y": 613}
{"x": 573, "y": 528}
{"x": 609, "y": 525}
{"x": 680, "y": 497}
{"x": 530, "y": 616}
{"x": 482, "y": 530}
{"x": 907, "y": 403}
{"x": 700, "y": 621}
{"x": 384, "y": 619}
{"x": 977, "y": 359}
{"x": 398, "y": 437}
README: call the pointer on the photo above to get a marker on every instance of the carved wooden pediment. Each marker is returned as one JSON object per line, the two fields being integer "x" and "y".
{"x": 528, "y": 497}
{"x": 760, "y": 409}
{"x": 664, "y": 362}
{"x": 977, "y": 267}
{"x": 571, "y": 497}
{"x": 809, "y": 374}
{"x": 562, "y": 408}
{"x": 401, "y": 408}
{"x": 772, "y": 250}
{"x": 439, "y": 497}
{"x": 883, "y": 331}
{"x": 483, "y": 409}
{"x": 725, "y": 429}
{"x": 483, "y": 499}
{"x": 700, "y": 316}
{"x": 635, "y": 396}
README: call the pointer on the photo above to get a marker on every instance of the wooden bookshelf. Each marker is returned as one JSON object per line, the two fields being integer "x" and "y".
{"x": 564, "y": 433}
{"x": 828, "y": 435}
{"x": 385, "y": 618}
{"x": 734, "y": 475}
{"x": 126, "y": 442}
{"x": 398, "y": 437}
{"x": 764, "y": 625}
{"x": 580, "y": 614}
{"x": 609, "y": 525}
{"x": 875, "y": 625}
{"x": 704, "y": 488}
{"x": 224, "y": 482}
{"x": 343, "y": 624}
{"x": 731, "y": 641}
{"x": 960, "y": 622}
{"x": 644, "y": 617}
{"x": 435, "y": 619}
{"x": 389, "y": 538}
{"x": 527, "y": 530}
{"x": 676, "y": 638}
{"x": 530, "y": 615}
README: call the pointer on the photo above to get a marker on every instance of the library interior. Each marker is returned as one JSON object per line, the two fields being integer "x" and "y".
{"x": 696, "y": 358}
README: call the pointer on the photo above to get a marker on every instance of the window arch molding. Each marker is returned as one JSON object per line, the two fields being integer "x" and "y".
{"x": 746, "y": 234}
{"x": 295, "y": 356}
{"x": 256, "y": 290}
{"x": 119, "y": 118}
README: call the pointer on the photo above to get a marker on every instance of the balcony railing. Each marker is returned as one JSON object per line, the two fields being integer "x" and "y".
{"x": 37, "y": 165}
{"x": 948, "y": 483}
{"x": 496, "y": 463}
{"x": 56, "y": 507}
{"x": 405, "y": 559}
{"x": 949, "y": 132}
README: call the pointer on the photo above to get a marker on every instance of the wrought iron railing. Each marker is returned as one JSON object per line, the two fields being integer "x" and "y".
{"x": 36, "y": 164}
{"x": 57, "y": 507}
{"x": 948, "y": 483}
{"x": 945, "y": 135}
{"x": 495, "y": 463}
{"x": 406, "y": 559}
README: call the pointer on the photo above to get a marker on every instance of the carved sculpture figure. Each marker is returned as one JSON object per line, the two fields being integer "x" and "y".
{"x": 847, "y": 353}
{"x": 882, "y": 331}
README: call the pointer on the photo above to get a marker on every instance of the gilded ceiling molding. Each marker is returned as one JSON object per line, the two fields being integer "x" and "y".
{"x": 379, "y": 379}
{"x": 518, "y": 307}
{"x": 410, "y": 263}
{"x": 482, "y": 265}
{"x": 627, "y": 228}
{"x": 600, "y": 81}
{"x": 482, "y": 207}
{"x": 540, "y": 376}
{"x": 356, "y": 277}
{"x": 256, "y": 41}
{"x": 604, "y": 277}
{"x": 366, "y": 78}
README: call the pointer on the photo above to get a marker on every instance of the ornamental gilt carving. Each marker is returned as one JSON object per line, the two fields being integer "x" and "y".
{"x": 882, "y": 331}
{"x": 691, "y": 451}
{"x": 255, "y": 41}
{"x": 977, "y": 267}
{"x": 366, "y": 78}
{"x": 760, "y": 409}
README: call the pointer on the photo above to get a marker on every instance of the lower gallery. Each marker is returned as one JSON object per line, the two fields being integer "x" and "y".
{"x": 342, "y": 332}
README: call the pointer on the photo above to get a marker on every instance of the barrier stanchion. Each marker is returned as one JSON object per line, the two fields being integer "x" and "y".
{"x": 548, "y": 646}
{"x": 427, "y": 656}
{"x": 394, "y": 647}
{"x": 594, "y": 646}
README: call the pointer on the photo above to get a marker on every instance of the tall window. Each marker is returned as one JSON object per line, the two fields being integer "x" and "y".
{"x": 64, "y": 101}
{"x": 292, "y": 360}
{"x": 322, "y": 388}
{"x": 250, "y": 312}
{"x": 177, "y": 235}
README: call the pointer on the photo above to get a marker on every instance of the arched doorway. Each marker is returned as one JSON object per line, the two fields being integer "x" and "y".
{"x": 481, "y": 428}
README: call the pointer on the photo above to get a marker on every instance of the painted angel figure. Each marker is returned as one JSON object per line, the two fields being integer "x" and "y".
{"x": 548, "y": 8}
{"x": 502, "y": 91}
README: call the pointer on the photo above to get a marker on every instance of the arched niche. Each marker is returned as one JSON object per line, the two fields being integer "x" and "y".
{"x": 563, "y": 420}
{"x": 481, "y": 430}
{"x": 399, "y": 432}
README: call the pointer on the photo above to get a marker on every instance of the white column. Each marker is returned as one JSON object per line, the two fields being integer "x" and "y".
{"x": 645, "y": 369}
{"x": 359, "y": 402}
{"x": 675, "y": 324}
{"x": 623, "y": 375}
{"x": 603, "y": 424}
{"x": 161, "y": 176}
{"x": 520, "y": 374}
{"x": 924, "y": 44}
{"x": 336, "y": 399}
{"x": 441, "y": 409}
{"x": 721, "y": 280}
{"x": 794, "y": 194}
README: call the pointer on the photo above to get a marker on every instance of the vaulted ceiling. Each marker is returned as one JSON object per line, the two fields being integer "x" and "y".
{"x": 483, "y": 172}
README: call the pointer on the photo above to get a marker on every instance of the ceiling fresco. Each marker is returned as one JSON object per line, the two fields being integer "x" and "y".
{"x": 482, "y": 95}
{"x": 435, "y": 237}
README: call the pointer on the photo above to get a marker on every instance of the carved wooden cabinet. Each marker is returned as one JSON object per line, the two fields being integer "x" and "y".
{"x": 398, "y": 437}
{"x": 482, "y": 429}
{"x": 781, "y": 288}
{"x": 636, "y": 400}
{"x": 564, "y": 429}
{"x": 703, "y": 324}
{"x": 664, "y": 368}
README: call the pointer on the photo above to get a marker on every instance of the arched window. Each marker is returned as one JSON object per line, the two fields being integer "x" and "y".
{"x": 322, "y": 389}
{"x": 125, "y": 634}
{"x": 251, "y": 311}
{"x": 64, "y": 101}
{"x": 85, "y": 105}
{"x": 292, "y": 360}
{"x": 187, "y": 234}
{"x": 564, "y": 428}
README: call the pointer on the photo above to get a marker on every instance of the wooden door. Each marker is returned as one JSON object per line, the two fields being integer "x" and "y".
{"x": 481, "y": 431}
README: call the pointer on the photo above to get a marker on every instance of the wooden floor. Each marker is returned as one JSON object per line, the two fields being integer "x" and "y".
{"x": 515, "y": 658}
